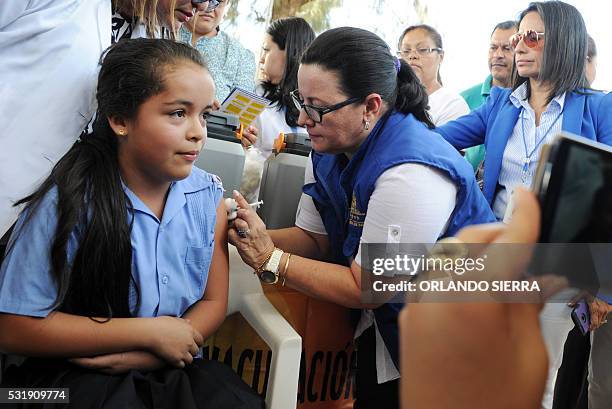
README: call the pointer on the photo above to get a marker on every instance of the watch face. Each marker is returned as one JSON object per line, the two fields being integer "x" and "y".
{"x": 268, "y": 277}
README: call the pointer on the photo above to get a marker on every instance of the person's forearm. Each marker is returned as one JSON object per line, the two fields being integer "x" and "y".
{"x": 142, "y": 361}
{"x": 207, "y": 315}
{"x": 65, "y": 335}
{"x": 296, "y": 241}
{"x": 326, "y": 281}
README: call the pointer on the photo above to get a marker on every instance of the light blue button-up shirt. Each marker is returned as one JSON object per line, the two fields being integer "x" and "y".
{"x": 511, "y": 173}
{"x": 170, "y": 257}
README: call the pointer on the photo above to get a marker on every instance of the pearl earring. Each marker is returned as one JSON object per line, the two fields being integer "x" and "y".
{"x": 366, "y": 126}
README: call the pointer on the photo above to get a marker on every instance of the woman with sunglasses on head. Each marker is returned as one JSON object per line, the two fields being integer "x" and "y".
{"x": 54, "y": 48}
{"x": 421, "y": 47}
{"x": 376, "y": 171}
{"x": 154, "y": 18}
{"x": 549, "y": 94}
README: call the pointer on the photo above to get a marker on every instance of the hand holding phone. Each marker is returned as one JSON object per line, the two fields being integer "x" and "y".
{"x": 582, "y": 316}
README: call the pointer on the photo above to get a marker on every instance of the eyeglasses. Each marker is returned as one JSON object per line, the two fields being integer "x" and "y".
{"x": 212, "y": 4}
{"x": 420, "y": 51}
{"x": 531, "y": 38}
{"x": 316, "y": 113}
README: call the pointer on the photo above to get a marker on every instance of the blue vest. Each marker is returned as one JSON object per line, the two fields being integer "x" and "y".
{"x": 343, "y": 188}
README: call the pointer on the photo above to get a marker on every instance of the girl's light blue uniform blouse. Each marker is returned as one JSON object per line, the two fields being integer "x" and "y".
{"x": 170, "y": 258}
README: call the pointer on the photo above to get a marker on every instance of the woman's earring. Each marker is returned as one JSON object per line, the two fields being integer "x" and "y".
{"x": 366, "y": 126}
{"x": 122, "y": 132}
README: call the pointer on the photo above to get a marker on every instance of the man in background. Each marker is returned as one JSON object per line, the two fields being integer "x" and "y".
{"x": 501, "y": 60}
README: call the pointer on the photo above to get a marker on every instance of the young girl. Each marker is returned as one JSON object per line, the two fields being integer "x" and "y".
{"x": 118, "y": 267}
{"x": 74, "y": 34}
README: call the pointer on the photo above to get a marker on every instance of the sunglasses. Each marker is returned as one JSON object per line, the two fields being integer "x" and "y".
{"x": 314, "y": 112}
{"x": 212, "y": 4}
{"x": 531, "y": 38}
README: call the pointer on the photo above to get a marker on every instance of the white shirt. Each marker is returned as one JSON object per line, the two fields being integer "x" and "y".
{"x": 270, "y": 123}
{"x": 49, "y": 53}
{"x": 417, "y": 198}
{"x": 511, "y": 173}
{"x": 445, "y": 105}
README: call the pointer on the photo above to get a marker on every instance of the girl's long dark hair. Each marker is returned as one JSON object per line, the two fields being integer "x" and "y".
{"x": 364, "y": 65}
{"x": 292, "y": 35}
{"x": 91, "y": 201}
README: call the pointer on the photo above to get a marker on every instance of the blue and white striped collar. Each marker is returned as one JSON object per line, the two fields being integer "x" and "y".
{"x": 519, "y": 98}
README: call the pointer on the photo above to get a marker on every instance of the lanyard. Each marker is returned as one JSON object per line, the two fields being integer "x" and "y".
{"x": 525, "y": 175}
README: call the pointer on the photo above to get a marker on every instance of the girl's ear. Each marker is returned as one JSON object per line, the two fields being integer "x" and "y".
{"x": 118, "y": 125}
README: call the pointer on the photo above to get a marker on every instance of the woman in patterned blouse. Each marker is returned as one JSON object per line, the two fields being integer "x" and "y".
{"x": 230, "y": 64}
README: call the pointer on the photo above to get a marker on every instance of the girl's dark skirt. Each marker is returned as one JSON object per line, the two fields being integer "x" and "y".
{"x": 202, "y": 384}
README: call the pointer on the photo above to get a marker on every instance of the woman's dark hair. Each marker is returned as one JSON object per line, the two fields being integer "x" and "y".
{"x": 565, "y": 48}
{"x": 292, "y": 35}
{"x": 91, "y": 202}
{"x": 591, "y": 47}
{"x": 364, "y": 65}
{"x": 433, "y": 34}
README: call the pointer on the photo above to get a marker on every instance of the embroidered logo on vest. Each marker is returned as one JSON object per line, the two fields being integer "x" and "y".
{"x": 356, "y": 217}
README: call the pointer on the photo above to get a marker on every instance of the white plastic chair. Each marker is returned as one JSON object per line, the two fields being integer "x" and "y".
{"x": 246, "y": 297}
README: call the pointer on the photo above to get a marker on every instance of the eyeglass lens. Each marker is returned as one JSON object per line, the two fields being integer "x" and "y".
{"x": 212, "y": 4}
{"x": 312, "y": 113}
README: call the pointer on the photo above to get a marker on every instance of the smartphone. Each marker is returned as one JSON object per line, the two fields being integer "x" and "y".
{"x": 573, "y": 183}
{"x": 582, "y": 316}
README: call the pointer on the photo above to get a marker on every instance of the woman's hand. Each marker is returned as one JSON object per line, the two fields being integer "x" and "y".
{"x": 249, "y": 136}
{"x": 599, "y": 312}
{"x": 121, "y": 362}
{"x": 248, "y": 233}
{"x": 598, "y": 309}
{"x": 174, "y": 340}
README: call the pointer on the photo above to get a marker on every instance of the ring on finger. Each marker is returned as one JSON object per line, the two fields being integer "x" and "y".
{"x": 244, "y": 233}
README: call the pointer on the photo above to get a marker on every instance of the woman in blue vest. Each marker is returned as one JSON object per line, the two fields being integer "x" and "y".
{"x": 378, "y": 174}
{"x": 549, "y": 94}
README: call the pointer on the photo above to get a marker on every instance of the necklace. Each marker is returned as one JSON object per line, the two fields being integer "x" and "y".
{"x": 525, "y": 174}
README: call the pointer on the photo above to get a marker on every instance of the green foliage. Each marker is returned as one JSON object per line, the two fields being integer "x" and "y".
{"x": 421, "y": 11}
{"x": 316, "y": 12}
{"x": 231, "y": 15}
